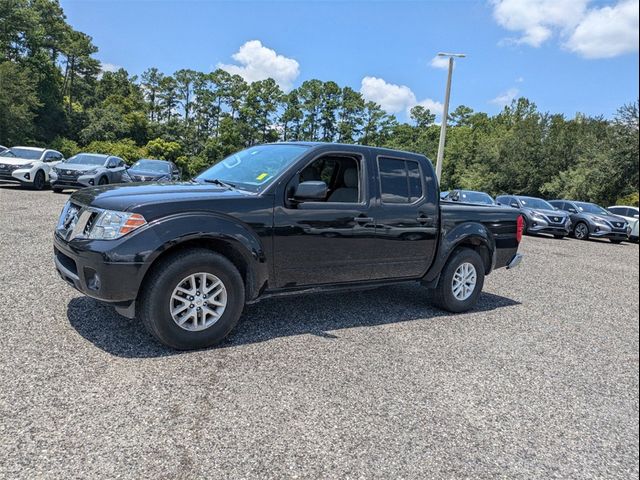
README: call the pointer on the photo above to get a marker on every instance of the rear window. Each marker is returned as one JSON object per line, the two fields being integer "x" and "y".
{"x": 400, "y": 180}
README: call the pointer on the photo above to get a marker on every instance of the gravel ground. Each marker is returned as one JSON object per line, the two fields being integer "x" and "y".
{"x": 540, "y": 381}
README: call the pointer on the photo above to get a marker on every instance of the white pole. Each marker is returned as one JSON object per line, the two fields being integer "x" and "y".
{"x": 443, "y": 127}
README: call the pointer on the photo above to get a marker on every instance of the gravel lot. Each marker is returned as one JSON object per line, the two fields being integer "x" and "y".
{"x": 541, "y": 381}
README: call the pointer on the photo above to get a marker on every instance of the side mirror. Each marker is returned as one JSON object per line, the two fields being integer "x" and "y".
{"x": 312, "y": 190}
{"x": 573, "y": 210}
{"x": 636, "y": 216}
{"x": 515, "y": 205}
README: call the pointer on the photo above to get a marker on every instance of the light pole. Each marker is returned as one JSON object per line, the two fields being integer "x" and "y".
{"x": 445, "y": 113}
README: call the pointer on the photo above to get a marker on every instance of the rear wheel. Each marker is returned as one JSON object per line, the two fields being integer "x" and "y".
{"x": 581, "y": 231}
{"x": 193, "y": 300}
{"x": 39, "y": 180}
{"x": 617, "y": 242}
{"x": 461, "y": 282}
{"x": 57, "y": 190}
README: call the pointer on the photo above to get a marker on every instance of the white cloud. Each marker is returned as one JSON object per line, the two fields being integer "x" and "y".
{"x": 109, "y": 67}
{"x": 592, "y": 32}
{"x": 505, "y": 98}
{"x": 440, "y": 62}
{"x": 395, "y": 98}
{"x": 607, "y": 32}
{"x": 257, "y": 62}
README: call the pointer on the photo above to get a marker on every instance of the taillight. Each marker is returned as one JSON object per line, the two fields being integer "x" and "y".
{"x": 519, "y": 228}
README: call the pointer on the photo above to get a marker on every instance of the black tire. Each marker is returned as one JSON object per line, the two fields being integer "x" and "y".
{"x": 581, "y": 231}
{"x": 443, "y": 296}
{"x": 103, "y": 181}
{"x": 166, "y": 275}
{"x": 56, "y": 189}
{"x": 617, "y": 242}
{"x": 558, "y": 237}
{"x": 525, "y": 226}
{"x": 39, "y": 180}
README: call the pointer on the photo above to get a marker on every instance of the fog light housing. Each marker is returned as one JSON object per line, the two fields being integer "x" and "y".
{"x": 92, "y": 279}
{"x": 27, "y": 176}
{"x": 91, "y": 182}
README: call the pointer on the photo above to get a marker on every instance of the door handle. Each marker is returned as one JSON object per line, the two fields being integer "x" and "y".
{"x": 363, "y": 219}
{"x": 423, "y": 219}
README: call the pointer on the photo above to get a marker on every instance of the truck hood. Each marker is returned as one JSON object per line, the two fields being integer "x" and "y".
{"x": 126, "y": 197}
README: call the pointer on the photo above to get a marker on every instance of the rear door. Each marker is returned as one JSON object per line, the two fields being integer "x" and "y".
{"x": 406, "y": 215}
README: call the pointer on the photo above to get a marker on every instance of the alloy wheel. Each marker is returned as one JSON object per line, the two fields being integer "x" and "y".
{"x": 464, "y": 281}
{"x": 198, "y": 301}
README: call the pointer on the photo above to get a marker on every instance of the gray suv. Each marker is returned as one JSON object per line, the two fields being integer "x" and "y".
{"x": 591, "y": 220}
{"x": 87, "y": 170}
{"x": 539, "y": 216}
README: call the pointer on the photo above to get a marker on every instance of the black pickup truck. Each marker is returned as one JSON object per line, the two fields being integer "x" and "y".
{"x": 272, "y": 220}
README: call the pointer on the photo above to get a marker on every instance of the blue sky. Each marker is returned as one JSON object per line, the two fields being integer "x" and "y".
{"x": 567, "y": 56}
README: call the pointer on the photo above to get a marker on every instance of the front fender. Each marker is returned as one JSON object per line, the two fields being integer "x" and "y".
{"x": 466, "y": 233}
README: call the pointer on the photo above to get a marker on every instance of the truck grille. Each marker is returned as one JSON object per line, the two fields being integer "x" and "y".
{"x": 75, "y": 221}
{"x": 556, "y": 219}
{"x": 68, "y": 174}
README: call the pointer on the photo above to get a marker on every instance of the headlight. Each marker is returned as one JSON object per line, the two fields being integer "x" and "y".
{"x": 28, "y": 166}
{"x": 599, "y": 221}
{"x": 90, "y": 172}
{"x": 538, "y": 216}
{"x": 111, "y": 224}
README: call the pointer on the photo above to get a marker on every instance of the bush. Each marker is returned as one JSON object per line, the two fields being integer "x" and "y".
{"x": 630, "y": 200}
{"x": 125, "y": 149}
{"x": 67, "y": 147}
{"x": 163, "y": 149}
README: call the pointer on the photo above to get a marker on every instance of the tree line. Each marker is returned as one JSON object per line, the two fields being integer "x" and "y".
{"x": 54, "y": 92}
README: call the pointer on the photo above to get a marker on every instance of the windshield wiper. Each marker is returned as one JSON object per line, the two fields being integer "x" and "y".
{"x": 219, "y": 182}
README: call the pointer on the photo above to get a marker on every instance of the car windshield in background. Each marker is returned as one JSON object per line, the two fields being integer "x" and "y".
{"x": 86, "y": 159}
{"x": 536, "y": 203}
{"x": 254, "y": 168}
{"x": 23, "y": 153}
{"x": 476, "y": 197}
{"x": 591, "y": 208}
{"x": 158, "y": 166}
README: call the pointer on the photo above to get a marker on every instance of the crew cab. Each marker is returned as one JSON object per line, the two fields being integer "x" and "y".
{"x": 272, "y": 220}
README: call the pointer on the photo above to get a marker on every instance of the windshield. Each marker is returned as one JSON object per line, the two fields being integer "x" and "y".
{"x": 535, "y": 203}
{"x": 86, "y": 159}
{"x": 23, "y": 153}
{"x": 476, "y": 197}
{"x": 254, "y": 168}
{"x": 159, "y": 166}
{"x": 591, "y": 208}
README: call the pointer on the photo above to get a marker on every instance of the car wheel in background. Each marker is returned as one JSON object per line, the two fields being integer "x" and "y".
{"x": 56, "y": 190}
{"x": 581, "y": 231}
{"x": 525, "y": 225}
{"x": 617, "y": 242}
{"x": 460, "y": 282}
{"x": 192, "y": 300}
{"x": 103, "y": 181}
{"x": 559, "y": 237}
{"x": 39, "y": 180}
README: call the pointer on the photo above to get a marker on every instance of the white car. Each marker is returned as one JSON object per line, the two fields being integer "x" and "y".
{"x": 630, "y": 214}
{"x": 28, "y": 166}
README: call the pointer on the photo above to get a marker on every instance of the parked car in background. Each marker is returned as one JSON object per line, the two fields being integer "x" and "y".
{"x": 186, "y": 257}
{"x": 88, "y": 169}
{"x": 3, "y": 148}
{"x": 468, "y": 196}
{"x": 539, "y": 215}
{"x": 591, "y": 220}
{"x": 149, "y": 170}
{"x": 29, "y": 166}
{"x": 630, "y": 214}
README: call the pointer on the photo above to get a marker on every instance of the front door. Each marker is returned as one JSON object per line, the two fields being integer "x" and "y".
{"x": 328, "y": 241}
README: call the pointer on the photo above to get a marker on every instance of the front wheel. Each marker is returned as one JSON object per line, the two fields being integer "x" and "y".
{"x": 558, "y": 237}
{"x": 193, "y": 300}
{"x": 617, "y": 242}
{"x": 39, "y": 180}
{"x": 581, "y": 231}
{"x": 461, "y": 282}
{"x": 103, "y": 181}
